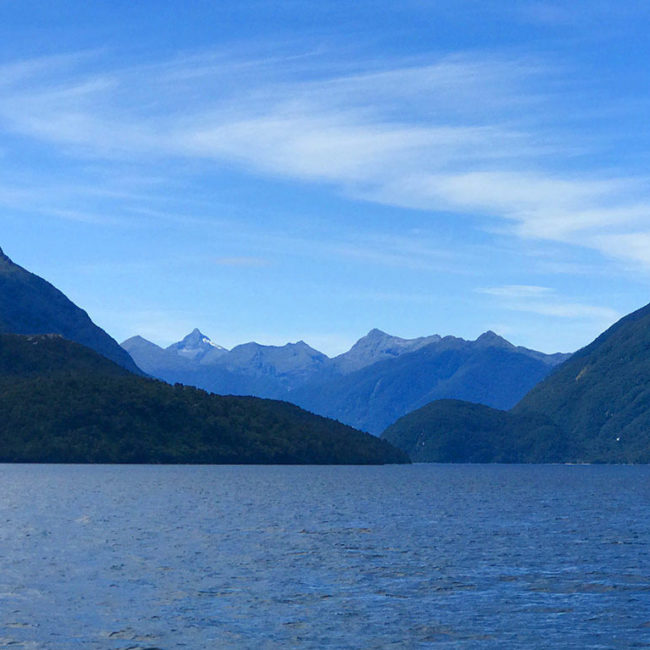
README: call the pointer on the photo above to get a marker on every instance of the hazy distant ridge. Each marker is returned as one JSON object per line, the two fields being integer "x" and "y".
{"x": 378, "y": 380}
{"x": 593, "y": 408}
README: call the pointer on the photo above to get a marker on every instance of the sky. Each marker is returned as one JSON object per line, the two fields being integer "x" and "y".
{"x": 302, "y": 170}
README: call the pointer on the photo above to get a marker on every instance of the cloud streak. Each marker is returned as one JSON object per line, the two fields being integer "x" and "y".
{"x": 462, "y": 135}
{"x": 543, "y": 301}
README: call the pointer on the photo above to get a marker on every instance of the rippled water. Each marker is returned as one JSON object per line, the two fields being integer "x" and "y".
{"x": 314, "y": 557}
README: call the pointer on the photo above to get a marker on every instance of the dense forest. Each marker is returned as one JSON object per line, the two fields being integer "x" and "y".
{"x": 600, "y": 397}
{"x": 594, "y": 408}
{"x": 62, "y": 402}
{"x": 453, "y": 431}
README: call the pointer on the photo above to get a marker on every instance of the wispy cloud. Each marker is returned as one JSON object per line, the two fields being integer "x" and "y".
{"x": 407, "y": 251}
{"x": 517, "y": 291}
{"x": 544, "y": 301}
{"x": 462, "y": 134}
{"x": 633, "y": 246}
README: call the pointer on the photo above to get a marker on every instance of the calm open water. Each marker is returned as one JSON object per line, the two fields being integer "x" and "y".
{"x": 460, "y": 556}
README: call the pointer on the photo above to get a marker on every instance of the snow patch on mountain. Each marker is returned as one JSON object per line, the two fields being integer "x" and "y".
{"x": 197, "y": 346}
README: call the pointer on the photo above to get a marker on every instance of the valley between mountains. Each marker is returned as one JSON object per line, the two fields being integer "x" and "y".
{"x": 380, "y": 379}
{"x": 70, "y": 393}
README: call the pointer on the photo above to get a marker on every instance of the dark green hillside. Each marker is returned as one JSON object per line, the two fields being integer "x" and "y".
{"x": 453, "y": 431}
{"x": 61, "y": 402}
{"x": 601, "y": 396}
{"x": 593, "y": 408}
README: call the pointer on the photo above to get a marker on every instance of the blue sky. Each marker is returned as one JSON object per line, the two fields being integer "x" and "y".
{"x": 277, "y": 171}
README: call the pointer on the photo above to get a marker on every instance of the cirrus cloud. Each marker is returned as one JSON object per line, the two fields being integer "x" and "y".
{"x": 461, "y": 135}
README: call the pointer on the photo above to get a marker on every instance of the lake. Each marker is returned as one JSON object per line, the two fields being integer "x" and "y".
{"x": 458, "y": 556}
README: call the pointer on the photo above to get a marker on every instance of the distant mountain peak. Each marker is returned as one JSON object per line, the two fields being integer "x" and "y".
{"x": 138, "y": 342}
{"x": 195, "y": 335}
{"x": 301, "y": 345}
{"x": 135, "y": 339}
{"x": 195, "y": 339}
{"x": 375, "y": 337}
{"x": 4, "y": 258}
{"x": 489, "y": 335}
{"x": 379, "y": 346}
{"x": 197, "y": 346}
{"x": 491, "y": 338}
{"x": 376, "y": 333}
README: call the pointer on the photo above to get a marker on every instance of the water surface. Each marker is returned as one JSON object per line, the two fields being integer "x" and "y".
{"x": 462, "y": 556}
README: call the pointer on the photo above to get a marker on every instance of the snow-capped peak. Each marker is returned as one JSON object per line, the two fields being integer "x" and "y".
{"x": 196, "y": 345}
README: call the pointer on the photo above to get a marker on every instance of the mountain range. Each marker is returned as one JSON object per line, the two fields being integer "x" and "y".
{"x": 381, "y": 378}
{"x": 69, "y": 393}
{"x": 63, "y": 402}
{"x": 595, "y": 407}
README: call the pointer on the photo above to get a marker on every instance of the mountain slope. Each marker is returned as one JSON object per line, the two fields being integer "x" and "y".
{"x": 595, "y": 407}
{"x": 601, "y": 396}
{"x": 378, "y": 380}
{"x": 453, "y": 431}
{"x": 31, "y": 305}
{"x": 377, "y": 346}
{"x": 489, "y": 370}
{"x": 62, "y": 402}
{"x": 248, "y": 369}
{"x": 160, "y": 363}
{"x": 284, "y": 367}
{"x": 196, "y": 346}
